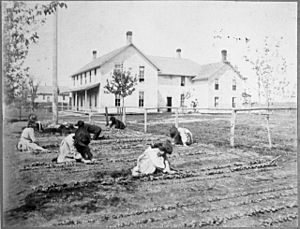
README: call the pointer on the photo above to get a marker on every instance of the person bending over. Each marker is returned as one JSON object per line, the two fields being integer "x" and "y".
{"x": 92, "y": 129}
{"x": 27, "y": 140}
{"x": 82, "y": 139}
{"x": 154, "y": 159}
{"x": 181, "y": 136}
{"x": 67, "y": 151}
{"x": 116, "y": 123}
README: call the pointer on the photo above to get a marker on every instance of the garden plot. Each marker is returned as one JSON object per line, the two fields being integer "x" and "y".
{"x": 213, "y": 186}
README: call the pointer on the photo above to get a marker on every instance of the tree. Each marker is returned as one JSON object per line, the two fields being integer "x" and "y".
{"x": 32, "y": 92}
{"x": 121, "y": 85}
{"x": 20, "y": 23}
{"x": 269, "y": 66}
{"x": 267, "y": 62}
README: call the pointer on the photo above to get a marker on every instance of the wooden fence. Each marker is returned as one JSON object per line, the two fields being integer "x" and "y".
{"x": 178, "y": 110}
{"x": 267, "y": 109}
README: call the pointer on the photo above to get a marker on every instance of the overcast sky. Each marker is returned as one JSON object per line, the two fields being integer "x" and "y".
{"x": 159, "y": 28}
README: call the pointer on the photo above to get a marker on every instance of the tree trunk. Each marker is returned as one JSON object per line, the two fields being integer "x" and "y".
{"x": 123, "y": 111}
{"x": 54, "y": 77}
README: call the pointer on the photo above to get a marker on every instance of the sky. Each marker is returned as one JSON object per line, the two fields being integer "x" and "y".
{"x": 159, "y": 28}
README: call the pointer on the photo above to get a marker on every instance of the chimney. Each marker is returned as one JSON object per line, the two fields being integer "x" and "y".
{"x": 129, "y": 37}
{"x": 94, "y": 54}
{"x": 178, "y": 51}
{"x": 224, "y": 55}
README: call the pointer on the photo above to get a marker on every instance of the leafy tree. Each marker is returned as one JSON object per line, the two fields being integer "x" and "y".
{"x": 20, "y": 23}
{"x": 121, "y": 85}
{"x": 32, "y": 92}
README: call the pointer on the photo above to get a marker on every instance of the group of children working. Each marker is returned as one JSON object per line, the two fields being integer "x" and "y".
{"x": 75, "y": 146}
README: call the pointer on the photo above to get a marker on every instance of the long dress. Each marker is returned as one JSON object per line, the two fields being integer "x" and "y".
{"x": 27, "y": 141}
{"x": 67, "y": 151}
{"x": 185, "y": 135}
{"x": 148, "y": 162}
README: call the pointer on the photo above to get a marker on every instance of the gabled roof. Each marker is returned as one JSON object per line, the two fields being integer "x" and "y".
{"x": 215, "y": 69}
{"x": 175, "y": 66}
{"x": 49, "y": 89}
{"x": 98, "y": 62}
{"x": 101, "y": 60}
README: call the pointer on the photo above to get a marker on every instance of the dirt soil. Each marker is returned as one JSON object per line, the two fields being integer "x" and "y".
{"x": 215, "y": 185}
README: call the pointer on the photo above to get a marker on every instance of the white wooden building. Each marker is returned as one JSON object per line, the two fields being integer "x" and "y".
{"x": 162, "y": 81}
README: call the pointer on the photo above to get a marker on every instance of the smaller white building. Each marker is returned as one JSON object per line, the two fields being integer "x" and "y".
{"x": 44, "y": 95}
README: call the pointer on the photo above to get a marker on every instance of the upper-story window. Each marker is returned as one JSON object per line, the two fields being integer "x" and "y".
{"x": 95, "y": 71}
{"x": 80, "y": 79}
{"x": 141, "y": 99}
{"x": 85, "y": 80}
{"x": 74, "y": 81}
{"x": 43, "y": 97}
{"x": 48, "y": 98}
{"x": 182, "y": 83}
{"x": 216, "y": 84}
{"x": 90, "y": 76}
{"x": 234, "y": 84}
{"x": 77, "y": 80}
{"x": 119, "y": 67}
{"x": 63, "y": 97}
{"x": 141, "y": 73}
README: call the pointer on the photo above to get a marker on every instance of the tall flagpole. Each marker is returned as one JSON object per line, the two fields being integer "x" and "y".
{"x": 54, "y": 76}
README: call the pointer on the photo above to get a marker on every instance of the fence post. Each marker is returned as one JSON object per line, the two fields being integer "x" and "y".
{"x": 124, "y": 115}
{"x": 232, "y": 126}
{"x": 90, "y": 117}
{"x": 269, "y": 133}
{"x": 176, "y": 117}
{"x": 106, "y": 116}
{"x": 145, "y": 120}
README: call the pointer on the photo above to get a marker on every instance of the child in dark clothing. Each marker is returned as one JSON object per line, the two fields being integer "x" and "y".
{"x": 92, "y": 129}
{"x": 81, "y": 141}
{"x": 116, "y": 123}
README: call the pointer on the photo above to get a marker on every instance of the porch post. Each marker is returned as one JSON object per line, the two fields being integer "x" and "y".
{"x": 85, "y": 100}
{"x": 99, "y": 101}
{"x": 76, "y": 107}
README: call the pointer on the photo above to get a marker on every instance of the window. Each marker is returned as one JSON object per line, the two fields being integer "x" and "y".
{"x": 95, "y": 71}
{"x": 142, "y": 73}
{"x": 182, "y": 81}
{"x": 85, "y": 81}
{"x": 118, "y": 67}
{"x": 182, "y": 100}
{"x": 216, "y": 101}
{"x": 81, "y": 101}
{"x": 63, "y": 97}
{"x": 141, "y": 99}
{"x": 90, "y": 99}
{"x": 80, "y": 79}
{"x": 74, "y": 81}
{"x": 117, "y": 101}
{"x": 48, "y": 98}
{"x": 233, "y": 102}
{"x": 44, "y": 97}
{"x": 95, "y": 100}
{"x": 216, "y": 84}
{"x": 234, "y": 84}
{"x": 77, "y": 79}
{"x": 90, "y": 76}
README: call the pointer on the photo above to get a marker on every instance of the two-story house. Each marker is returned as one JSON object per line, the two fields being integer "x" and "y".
{"x": 162, "y": 81}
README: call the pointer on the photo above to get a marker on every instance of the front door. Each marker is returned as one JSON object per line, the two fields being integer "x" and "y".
{"x": 169, "y": 103}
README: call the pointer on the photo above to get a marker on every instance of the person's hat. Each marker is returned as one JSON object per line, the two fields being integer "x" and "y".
{"x": 79, "y": 123}
{"x": 167, "y": 147}
{"x": 32, "y": 117}
{"x": 173, "y": 131}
